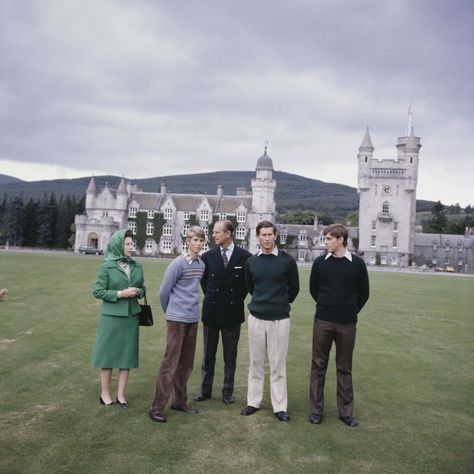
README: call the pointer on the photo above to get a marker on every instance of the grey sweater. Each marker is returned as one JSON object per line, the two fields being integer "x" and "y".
{"x": 179, "y": 291}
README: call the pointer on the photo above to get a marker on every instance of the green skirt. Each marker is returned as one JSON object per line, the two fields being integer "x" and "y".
{"x": 116, "y": 343}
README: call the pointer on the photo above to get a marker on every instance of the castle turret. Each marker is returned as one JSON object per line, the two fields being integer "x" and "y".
{"x": 122, "y": 196}
{"x": 91, "y": 194}
{"x": 263, "y": 196}
{"x": 364, "y": 157}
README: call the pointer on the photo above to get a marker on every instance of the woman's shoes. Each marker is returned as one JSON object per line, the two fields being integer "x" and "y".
{"x": 123, "y": 405}
{"x": 105, "y": 404}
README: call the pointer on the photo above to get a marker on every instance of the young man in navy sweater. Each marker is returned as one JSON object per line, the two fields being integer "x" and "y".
{"x": 339, "y": 284}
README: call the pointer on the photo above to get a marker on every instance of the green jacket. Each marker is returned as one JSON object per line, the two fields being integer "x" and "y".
{"x": 111, "y": 279}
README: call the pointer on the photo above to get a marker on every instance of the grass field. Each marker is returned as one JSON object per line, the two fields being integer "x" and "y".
{"x": 413, "y": 376}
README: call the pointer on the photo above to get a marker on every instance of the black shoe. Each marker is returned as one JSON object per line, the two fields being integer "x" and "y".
{"x": 228, "y": 399}
{"x": 200, "y": 397}
{"x": 158, "y": 416}
{"x": 123, "y": 405}
{"x": 248, "y": 410}
{"x": 282, "y": 416}
{"x": 105, "y": 404}
{"x": 183, "y": 408}
{"x": 349, "y": 421}
{"x": 315, "y": 419}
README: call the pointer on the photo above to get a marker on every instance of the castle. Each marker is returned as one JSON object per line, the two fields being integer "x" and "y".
{"x": 387, "y": 210}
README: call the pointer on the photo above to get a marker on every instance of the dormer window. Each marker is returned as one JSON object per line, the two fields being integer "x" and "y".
{"x": 132, "y": 212}
{"x": 240, "y": 216}
{"x": 204, "y": 215}
{"x": 168, "y": 213}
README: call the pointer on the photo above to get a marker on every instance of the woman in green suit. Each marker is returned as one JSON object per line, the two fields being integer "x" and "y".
{"x": 119, "y": 284}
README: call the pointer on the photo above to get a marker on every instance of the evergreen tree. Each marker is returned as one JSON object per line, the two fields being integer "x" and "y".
{"x": 14, "y": 219}
{"x": 63, "y": 223}
{"x": 3, "y": 208}
{"x": 44, "y": 217}
{"x": 30, "y": 228}
{"x": 439, "y": 219}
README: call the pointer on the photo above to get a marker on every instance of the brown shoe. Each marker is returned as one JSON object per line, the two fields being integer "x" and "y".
{"x": 158, "y": 416}
{"x": 183, "y": 408}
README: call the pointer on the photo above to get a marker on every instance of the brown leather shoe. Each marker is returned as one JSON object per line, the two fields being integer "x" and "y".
{"x": 158, "y": 416}
{"x": 183, "y": 408}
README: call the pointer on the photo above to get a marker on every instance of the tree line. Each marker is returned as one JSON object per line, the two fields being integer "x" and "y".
{"x": 47, "y": 222}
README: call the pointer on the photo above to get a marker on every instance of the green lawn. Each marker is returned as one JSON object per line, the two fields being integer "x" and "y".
{"x": 413, "y": 375}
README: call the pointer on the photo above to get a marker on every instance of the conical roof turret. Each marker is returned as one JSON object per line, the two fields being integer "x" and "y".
{"x": 367, "y": 143}
{"x": 92, "y": 188}
{"x": 122, "y": 186}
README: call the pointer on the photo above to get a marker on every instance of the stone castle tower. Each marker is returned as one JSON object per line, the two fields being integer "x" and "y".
{"x": 263, "y": 197}
{"x": 387, "y": 203}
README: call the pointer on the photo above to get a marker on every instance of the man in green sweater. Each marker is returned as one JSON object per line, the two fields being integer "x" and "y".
{"x": 339, "y": 284}
{"x": 272, "y": 280}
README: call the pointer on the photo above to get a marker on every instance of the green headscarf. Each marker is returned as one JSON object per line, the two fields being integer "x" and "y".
{"x": 114, "y": 250}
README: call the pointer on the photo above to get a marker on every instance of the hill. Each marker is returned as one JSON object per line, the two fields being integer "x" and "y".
{"x": 292, "y": 192}
{"x": 4, "y": 178}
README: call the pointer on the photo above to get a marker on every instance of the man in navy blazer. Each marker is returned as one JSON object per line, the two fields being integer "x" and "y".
{"x": 223, "y": 307}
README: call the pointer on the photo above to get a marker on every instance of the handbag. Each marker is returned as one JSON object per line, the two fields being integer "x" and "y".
{"x": 145, "y": 317}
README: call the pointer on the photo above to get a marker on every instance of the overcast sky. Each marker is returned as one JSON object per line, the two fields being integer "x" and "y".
{"x": 150, "y": 88}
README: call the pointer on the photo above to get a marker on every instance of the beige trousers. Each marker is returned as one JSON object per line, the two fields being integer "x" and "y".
{"x": 271, "y": 337}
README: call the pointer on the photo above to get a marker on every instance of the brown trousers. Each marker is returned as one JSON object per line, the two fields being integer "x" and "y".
{"x": 343, "y": 335}
{"x": 176, "y": 366}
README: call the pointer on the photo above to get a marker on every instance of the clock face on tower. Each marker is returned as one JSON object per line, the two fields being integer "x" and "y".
{"x": 386, "y": 189}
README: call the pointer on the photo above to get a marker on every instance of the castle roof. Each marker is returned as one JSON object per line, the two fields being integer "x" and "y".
{"x": 122, "y": 187}
{"x": 411, "y": 144}
{"x": 367, "y": 143}
{"x": 264, "y": 162}
{"x": 147, "y": 200}
{"x": 92, "y": 188}
{"x": 229, "y": 204}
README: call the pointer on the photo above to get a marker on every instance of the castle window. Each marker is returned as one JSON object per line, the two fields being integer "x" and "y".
{"x": 372, "y": 260}
{"x": 386, "y": 207}
{"x": 240, "y": 233}
{"x": 133, "y": 227}
{"x": 411, "y": 160}
{"x": 205, "y": 247}
{"x": 184, "y": 247}
{"x": 366, "y": 159}
{"x": 204, "y": 215}
{"x": 168, "y": 213}
{"x": 394, "y": 260}
{"x": 383, "y": 260}
{"x": 167, "y": 229}
{"x": 373, "y": 241}
{"x": 149, "y": 228}
{"x": 283, "y": 239}
{"x": 149, "y": 245}
{"x": 460, "y": 247}
{"x": 395, "y": 226}
{"x": 241, "y": 216}
{"x": 321, "y": 239}
{"x": 187, "y": 215}
{"x": 395, "y": 241}
{"x": 222, "y": 216}
{"x": 105, "y": 213}
{"x": 301, "y": 255}
{"x": 302, "y": 238}
{"x": 186, "y": 228}
{"x": 167, "y": 246}
{"x": 374, "y": 225}
{"x": 460, "y": 262}
{"x": 435, "y": 245}
{"x": 446, "y": 260}
{"x": 151, "y": 214}
{"x": 448, "y": 246}
{"x": 132, "y": 212}
{"x": 434, "y": 261}
{"x": 206, "y": 231}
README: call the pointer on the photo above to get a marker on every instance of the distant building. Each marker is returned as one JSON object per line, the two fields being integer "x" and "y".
{"x": 387, "y": 211}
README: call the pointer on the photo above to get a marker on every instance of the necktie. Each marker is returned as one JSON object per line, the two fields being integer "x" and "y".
{"x": 224, "y": 256}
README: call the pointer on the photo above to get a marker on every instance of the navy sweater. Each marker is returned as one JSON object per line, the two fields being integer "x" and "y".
{"x": 339, "y": 287}
{"x": 273, "y": 282}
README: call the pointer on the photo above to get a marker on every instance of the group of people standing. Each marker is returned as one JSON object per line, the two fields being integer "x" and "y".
{"x": 227, "y": 273}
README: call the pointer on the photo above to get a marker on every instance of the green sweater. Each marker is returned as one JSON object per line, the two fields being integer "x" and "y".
{"x": 273, "y": 282}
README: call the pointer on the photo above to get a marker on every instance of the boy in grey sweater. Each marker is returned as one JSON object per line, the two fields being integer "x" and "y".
{"x": 179, "y": 298}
